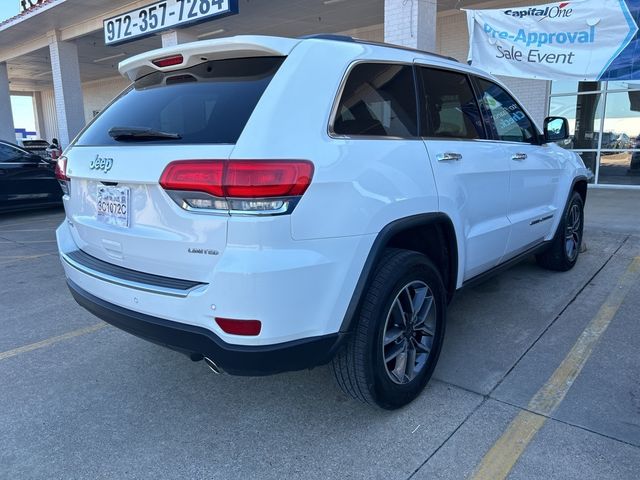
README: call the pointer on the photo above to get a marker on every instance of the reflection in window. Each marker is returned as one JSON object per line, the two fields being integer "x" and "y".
{"x": 573, "y": 86}
{"x": 621, "y": 120}
{"x": 9, "y": 154}
{"x": 509, "y": 121}
{"x": 380, "y": 100}
{"x": 449, "y": 105}
{"x": 615, "y": 138}
{"x": 624, "y": 85}
{"x": 584, "y": 113}
{"x": 621, "y": 132}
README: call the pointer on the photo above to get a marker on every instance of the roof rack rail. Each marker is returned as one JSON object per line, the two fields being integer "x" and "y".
{"x": 346, "y": 38}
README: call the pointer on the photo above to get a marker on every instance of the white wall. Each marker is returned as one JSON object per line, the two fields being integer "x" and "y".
{"x": 50, "y": 118}
{"x": 374, "y": 33}
{"x": 99, "y": 93}
{"x": 96, "y": 96}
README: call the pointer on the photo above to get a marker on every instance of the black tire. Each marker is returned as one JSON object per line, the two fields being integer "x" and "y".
{"x": 359, "y": 367}
{"x": 564, "y": 250}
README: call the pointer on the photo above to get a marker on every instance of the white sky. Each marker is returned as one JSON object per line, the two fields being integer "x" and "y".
{"x": 22, "y": 108}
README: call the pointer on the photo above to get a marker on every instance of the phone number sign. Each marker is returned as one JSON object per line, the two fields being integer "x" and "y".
{"x": 164, "y": 15}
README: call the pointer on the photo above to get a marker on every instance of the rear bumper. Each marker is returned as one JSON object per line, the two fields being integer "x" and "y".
{"x": 194, "y": 340}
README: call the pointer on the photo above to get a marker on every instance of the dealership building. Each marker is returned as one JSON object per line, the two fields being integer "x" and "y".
{"x": 65, "y": 53}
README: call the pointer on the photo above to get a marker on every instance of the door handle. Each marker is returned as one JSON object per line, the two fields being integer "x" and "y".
{"x": 519, "y": 156}
{"x": 448, "y": 156}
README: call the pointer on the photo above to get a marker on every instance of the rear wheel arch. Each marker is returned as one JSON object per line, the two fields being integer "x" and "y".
{"x": 431, "y": 234}
{"x": 580, "y": 186}
{"x": 564, "y": 249}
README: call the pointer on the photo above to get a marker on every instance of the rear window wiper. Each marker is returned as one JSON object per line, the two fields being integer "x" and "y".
{"x": 140, "y": 133}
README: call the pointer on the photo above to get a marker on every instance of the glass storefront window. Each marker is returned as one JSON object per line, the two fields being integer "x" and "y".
{"x": 624, "y": 85}
{"x": 573, "y": 86}
{"x": 619, "y": 168}
{"x": 584, "y": 113}
{"x": 621, "y": 120}
{"x": 621, "y": 132}
{"x": 607, "y": 123}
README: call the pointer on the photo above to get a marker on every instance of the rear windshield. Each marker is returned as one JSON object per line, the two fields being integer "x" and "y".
{"x": 208, "y": 103}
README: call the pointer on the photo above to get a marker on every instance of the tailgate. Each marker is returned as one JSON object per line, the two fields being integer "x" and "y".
{"x": 161, "y": 238}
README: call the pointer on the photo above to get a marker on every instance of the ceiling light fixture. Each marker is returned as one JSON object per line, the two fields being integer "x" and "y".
{"x": 211, "y": 34}
{"x": 330, "y": 2}
{"x": 110, "y": 57}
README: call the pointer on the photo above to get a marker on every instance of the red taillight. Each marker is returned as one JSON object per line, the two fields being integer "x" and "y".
{"x": 168, "y": 61}
{"x": 240, "y": 327}
{"x": 194, "y": 175}
{"x": 266, "y": 178}
{"x": 239, "y": 178}
{"x": 61, "y": 169}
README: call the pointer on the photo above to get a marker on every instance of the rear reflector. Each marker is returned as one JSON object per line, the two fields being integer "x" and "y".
{"x": 239, "y": 327}
{"x": 61, "y": 175}
{"x": 61, "y": 169}
{"x": 239, "y": 178}
{"x": 168, "y": 61}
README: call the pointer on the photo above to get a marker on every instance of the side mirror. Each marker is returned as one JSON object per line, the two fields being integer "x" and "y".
{"x": 556, "y": 129}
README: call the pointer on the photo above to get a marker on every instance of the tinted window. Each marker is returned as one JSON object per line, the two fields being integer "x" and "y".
{"x": 10, "y": 154}
{"x": 506, "y": 118}
{"x": 378, "y": 99}
{"x": 208, "y": 103}
{"x": 449, "y": 105}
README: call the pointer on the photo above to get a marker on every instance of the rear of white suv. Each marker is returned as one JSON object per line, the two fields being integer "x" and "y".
{"x": 176, "y": 228}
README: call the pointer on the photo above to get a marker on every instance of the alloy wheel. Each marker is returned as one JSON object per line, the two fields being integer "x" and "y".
{"x": 409, "y": 332}
{"x": 573, "y": 232}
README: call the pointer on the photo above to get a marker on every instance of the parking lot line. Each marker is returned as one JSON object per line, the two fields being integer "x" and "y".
{"x": 50, "y": 341}
{"x": 27, "y": 242}
{"x": 27, "y": 230}
{"x": 30, "y": 222}
{"x": 19, "y": 258}
{"x": 505, "y": 452}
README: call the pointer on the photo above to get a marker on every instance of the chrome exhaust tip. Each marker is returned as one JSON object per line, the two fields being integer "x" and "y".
{"x": 212, "y": 366}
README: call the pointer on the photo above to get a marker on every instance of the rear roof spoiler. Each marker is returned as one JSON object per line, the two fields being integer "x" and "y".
{"x": 197, "y": 52}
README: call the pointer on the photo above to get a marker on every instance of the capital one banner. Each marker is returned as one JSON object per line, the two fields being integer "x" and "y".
{"x": 580, "y": 40}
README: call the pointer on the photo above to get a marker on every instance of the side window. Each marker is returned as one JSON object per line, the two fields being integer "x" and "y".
{"x": 378, "y": 99}
{"x": 506, "y": 117}
{"x": 10, "y": 154}
{"x": 449, "y": 105}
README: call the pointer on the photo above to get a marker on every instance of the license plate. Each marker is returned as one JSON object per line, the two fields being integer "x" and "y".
{"x": 113, "y": 206}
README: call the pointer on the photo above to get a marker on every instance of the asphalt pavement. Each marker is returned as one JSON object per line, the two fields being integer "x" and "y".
{"x": 539, "y": 378}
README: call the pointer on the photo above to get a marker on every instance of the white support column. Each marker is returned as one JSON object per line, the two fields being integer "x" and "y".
{"x": 38, "y": 114}
{"x": 67, "y": 88}
{"x": 7, "y": 129}
{"x": 411, "y": 23}
{"x": 176, "y": 37}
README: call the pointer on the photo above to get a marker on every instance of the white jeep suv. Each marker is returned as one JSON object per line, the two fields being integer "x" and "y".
{"x": 273, "y": 204}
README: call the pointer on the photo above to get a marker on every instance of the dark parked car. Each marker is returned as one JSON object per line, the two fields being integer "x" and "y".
{"x": 26, "y": 180}
{"x": 39, "y": 147}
